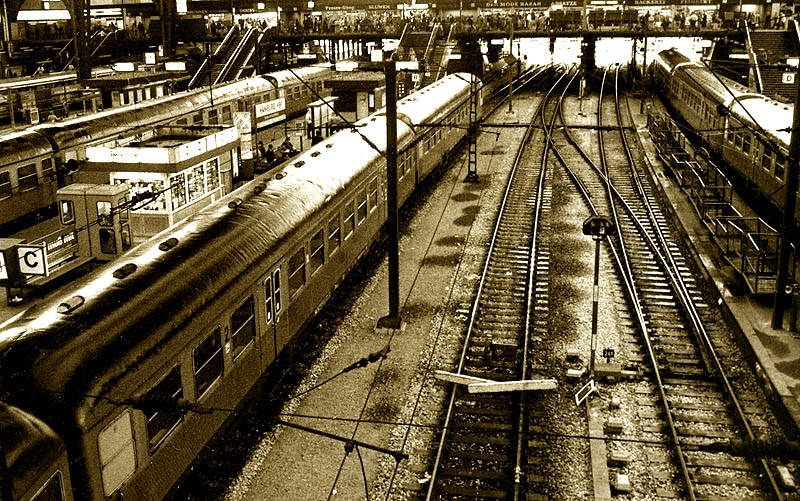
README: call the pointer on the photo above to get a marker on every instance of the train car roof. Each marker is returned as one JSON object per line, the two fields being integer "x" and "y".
{"x": 772, "y": 116}
{"x": 284, "y": 76}
{"x": 22, "y": 145}
{"x": 54, "y": 362}
{"x": 673, "y": 57}
{"x": 117, "y": 121}
{"x": 30, "y": 447}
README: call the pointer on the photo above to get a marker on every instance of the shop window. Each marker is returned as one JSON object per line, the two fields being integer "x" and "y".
{"x": 178, "y": 185}
{"x": 26, "y": 177}
{"x": 212, "y": 175}
{"x": 163, "y": 419}
{"x": 5, "y": 185}
{"x": 334, "y": 234}
{"x": 243, "y": 326}
{"x": 316, "y": 249}
{"x": 207, "y": 363}
{"x": 297, "y": 271}
{"x": 195, "y": 182}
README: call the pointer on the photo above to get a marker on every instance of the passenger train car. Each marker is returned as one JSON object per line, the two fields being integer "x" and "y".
{"x": 749, "y": 131}
{"x": 38, "y": 160}
{"x": 102, "y": 377}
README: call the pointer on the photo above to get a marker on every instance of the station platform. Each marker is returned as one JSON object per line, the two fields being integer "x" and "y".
{"x": 775, "y": 353}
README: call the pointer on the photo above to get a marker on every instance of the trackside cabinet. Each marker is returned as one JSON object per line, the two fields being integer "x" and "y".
{"x": 99, "y": 213}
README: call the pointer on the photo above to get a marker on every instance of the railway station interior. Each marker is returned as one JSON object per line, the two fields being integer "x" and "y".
{"x": 463, "y": 249}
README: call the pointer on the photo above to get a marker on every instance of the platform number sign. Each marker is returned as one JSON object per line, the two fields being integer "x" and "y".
{"x": 32, "y": 259}
{"x": 585, "y": 391}
{"x": 608, "y": 354}
{"x": 788, "y": 78}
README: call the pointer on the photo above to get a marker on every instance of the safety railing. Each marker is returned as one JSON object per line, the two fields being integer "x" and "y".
{"x": 203, "y": 70}
{"x": 748, "y": 244}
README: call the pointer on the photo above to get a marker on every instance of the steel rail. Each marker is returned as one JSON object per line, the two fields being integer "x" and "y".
{"x": 680, "y": 286}
{"x": 474, "y": 309}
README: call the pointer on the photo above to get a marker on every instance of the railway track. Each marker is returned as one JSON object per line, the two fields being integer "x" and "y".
{"x": 481, "y": 451}
{"x": 689, "y": 401}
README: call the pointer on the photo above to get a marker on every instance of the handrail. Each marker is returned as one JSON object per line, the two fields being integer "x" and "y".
{"x": 202, "y": 70}
{"x": 426, "y": 54}
{"x": 403, "y": 35}
{"x": 751, "y": 54}
{"x": 245, "y": 53}
{"x": 234, "y": 55}
{"x": 447, "y": 49}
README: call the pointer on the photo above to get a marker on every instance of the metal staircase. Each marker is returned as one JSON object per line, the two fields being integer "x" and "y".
{"x": 771, "y": 50}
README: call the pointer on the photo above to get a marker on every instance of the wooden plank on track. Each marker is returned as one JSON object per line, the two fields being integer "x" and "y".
{"x": 452, "y": 377}
{"x": 508, "y": 386}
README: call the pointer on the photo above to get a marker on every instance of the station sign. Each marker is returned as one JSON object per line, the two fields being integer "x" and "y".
{"x": 32, "y": 259}
{"x": 270, "y": 107}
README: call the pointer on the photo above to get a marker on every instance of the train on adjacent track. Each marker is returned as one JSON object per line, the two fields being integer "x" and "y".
{"x": 100, "y": 386}
{"x": 37, "y": 160}
{"x": 749, "y": 131}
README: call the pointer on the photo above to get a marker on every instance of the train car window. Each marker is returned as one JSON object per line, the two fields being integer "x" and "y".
{"x": 108, "y": 241}
{"x": 780, "y": 165}
{"x": 117, "y": 453}
{"x": 162, "y": 420}
{"x": 5, "y": 185}
{"x": 401, "y": 167}
{"x": 276, "y": 280}
{"x": 212, "y": 117}
{"x": 362, "y": 205}
{"x": 746, "y": 143}
{"x": 226, "y": 114}
{"x": 316, "y": 249}
{"x": 181, "y": 121}
{"x": 207, "y": 363}
{"x": 297, "y": 271}
{"x": 334, "y": 234}
{"x": 104, "y": 213}
{"x": 26, "y": 177}
{"x": 737, "y": 139}
{"x": 241, "y": 106}
{"x": 53, "y": 490}
{"x": 197, "y": 118}
{"x": 348, "y": 220}
{"x": 766, "y": 158}
{"x": 178, "y": 185}
{"x": 243, "y": 326}
{"x": 268, "y": 301}
{"x": 47, "y": 170}
{"x": 67, "y": 211}
{"x": 373, "y": 194}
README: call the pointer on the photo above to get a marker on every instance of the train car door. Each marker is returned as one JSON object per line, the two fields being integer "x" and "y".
{"x": 277, "y": 326}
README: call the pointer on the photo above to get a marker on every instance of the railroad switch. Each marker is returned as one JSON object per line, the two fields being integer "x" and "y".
{"x": 502, "y": 353}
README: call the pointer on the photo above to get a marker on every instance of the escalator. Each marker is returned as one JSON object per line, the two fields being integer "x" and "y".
{"x": 242, "y": 59}
{"x": 212, "y": 66}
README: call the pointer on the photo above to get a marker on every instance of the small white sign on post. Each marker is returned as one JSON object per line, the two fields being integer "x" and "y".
{"x": 788, "y": 78}
{"x": 3, "y": 269}
{"x": 32, "y": 259}
{"x": 584, "y": 392}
